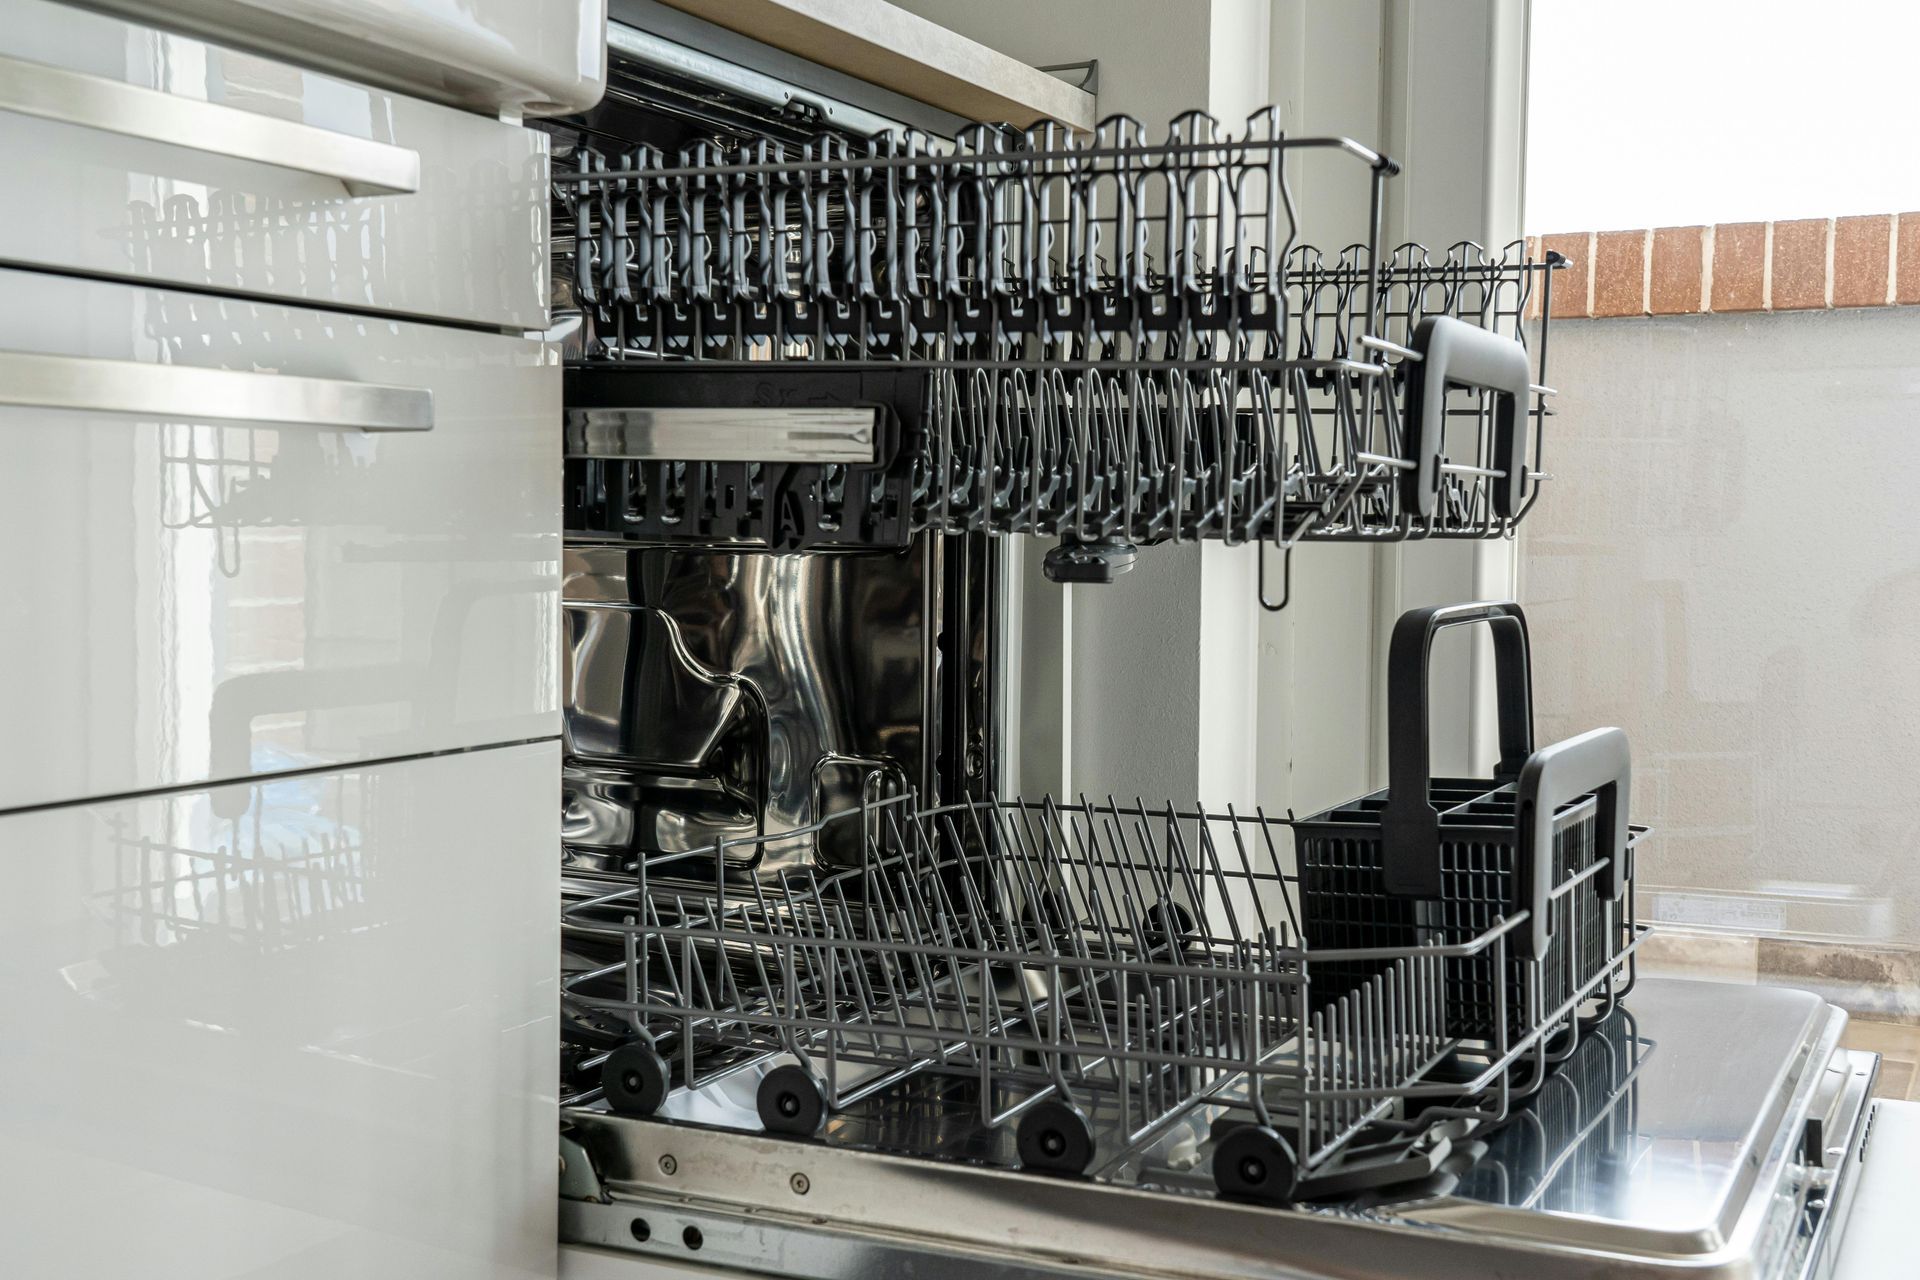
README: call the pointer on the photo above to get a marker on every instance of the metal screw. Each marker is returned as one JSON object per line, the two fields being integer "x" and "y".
{"x": 799, "y": 1184}
{"x": 668, "y": 1165}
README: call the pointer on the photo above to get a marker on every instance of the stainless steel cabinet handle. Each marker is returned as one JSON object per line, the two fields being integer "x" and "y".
{"x": 200, "y": 395}
{"x": 365, "y": 167}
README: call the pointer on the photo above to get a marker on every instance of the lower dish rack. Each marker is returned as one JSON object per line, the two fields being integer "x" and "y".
{"x": 1096, "y": 980}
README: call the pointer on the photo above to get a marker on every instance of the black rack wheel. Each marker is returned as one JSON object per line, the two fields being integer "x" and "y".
{"x": 1055, "y": 1137}
{"x": 1167, "y": 928}
{"x": 635, "y": 1079}
{"x": 792, "y": 1100}
{"x": 1253, "y": 1162}
{"x": 1046, "y": 915}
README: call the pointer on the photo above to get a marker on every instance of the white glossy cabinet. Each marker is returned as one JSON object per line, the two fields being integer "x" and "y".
{"x": 208, "y": 580}
{"x": 131, "y": 152}
{"x": 540, "y": 57}
{"x": 314, "y": 1038}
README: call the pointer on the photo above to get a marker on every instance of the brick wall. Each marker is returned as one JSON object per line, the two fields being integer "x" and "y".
{"x": 1808, "y": 264}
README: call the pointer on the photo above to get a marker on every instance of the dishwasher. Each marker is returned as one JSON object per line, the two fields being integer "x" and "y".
{"x": 836, "y": 1001}
{"x": 541, "y": 747}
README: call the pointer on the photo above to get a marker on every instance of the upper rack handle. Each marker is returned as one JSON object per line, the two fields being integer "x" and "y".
{"x": 363, "y": 166}
{"x": 1453, "y": 353}
{"x": 1410, "y": 825}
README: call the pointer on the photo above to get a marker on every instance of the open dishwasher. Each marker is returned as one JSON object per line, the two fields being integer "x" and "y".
{"x": 329, "y": 954}
{"x": 835, "y": 1002}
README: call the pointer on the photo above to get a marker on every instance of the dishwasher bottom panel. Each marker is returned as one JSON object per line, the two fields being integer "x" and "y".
{"x": 317, "y": 1039}
{"x": 1712, "y": 1131}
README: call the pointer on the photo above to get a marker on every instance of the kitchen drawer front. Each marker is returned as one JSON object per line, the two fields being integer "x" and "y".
{"x": 277, "y": 182}
{"x": 303, "y": 1027}
{"x": 539, "y": 57}
{"x": 192, "y": 598}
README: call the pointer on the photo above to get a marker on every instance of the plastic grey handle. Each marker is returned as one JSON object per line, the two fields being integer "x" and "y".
{"x": 1454, "y": 353}
{"x": 1410, "y": 825}
{"x": 1596, "y": 761}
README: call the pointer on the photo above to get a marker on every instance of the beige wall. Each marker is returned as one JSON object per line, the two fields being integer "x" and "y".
{"x": 1727, "y": 565}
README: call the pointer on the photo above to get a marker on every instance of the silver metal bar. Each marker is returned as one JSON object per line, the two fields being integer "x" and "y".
{"x": 363, "y": 166}
{"x": 1239, "y": 149}
{"x": 94, "y": 385}
{"x": 725, "y": 434}
{"x": 756, "y": 86}
{"x": 1390, "y": 348}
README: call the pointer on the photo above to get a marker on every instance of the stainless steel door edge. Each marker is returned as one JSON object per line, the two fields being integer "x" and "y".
{"x": 865, "y": 1215}
{"x": 860, "y": 1209}
{"x": 1844, "y": 1129}
{"x": 713, "y": 1237}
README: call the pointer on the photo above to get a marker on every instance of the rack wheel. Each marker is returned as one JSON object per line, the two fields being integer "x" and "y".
{"x": 1252, "y": 1162}
{"x": 1055, "y": 1137}
{"x": 792, "y": 1100}
{"x": 635, "y": 1079}
{"x": 1046, "y": 915}
{"x": 1167, "y": 928}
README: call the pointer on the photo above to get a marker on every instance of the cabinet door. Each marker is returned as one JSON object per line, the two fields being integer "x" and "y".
{"x": 314, "y": 1039}
{"x": 502, "y": 57}
{"x": 131, "y": 152}
{"x": 222, "y": 561}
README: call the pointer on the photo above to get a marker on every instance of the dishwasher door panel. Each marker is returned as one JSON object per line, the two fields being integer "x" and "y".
{"x": 233, "y": 552}
{"x": 141, "y": 154}
{"x": 317, "y": 1038}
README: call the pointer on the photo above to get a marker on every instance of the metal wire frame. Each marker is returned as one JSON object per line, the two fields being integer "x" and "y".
{"x": 1227, "y": 450}
{"x": 1150, "y": 451}
{"x": 1111, "y": 350}
{"x": 1129, "y": 960}
{"x": 869, "y": 249}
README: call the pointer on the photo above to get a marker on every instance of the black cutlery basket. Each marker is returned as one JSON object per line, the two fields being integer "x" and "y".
{"x": 1439, "y": 861}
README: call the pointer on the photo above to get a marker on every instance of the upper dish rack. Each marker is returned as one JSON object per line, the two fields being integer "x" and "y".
{"x": 1105, "y": 339}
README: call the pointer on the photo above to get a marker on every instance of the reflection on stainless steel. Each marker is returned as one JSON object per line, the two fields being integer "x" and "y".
{"x": 716, "y": 694}
{"x": 1556, "y": 1152}
{"x": 707, "y": 434}
{"x": 1638, "y": 1172}
{"x": 364, "y": 167}
{"x": 89, "y": 383}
